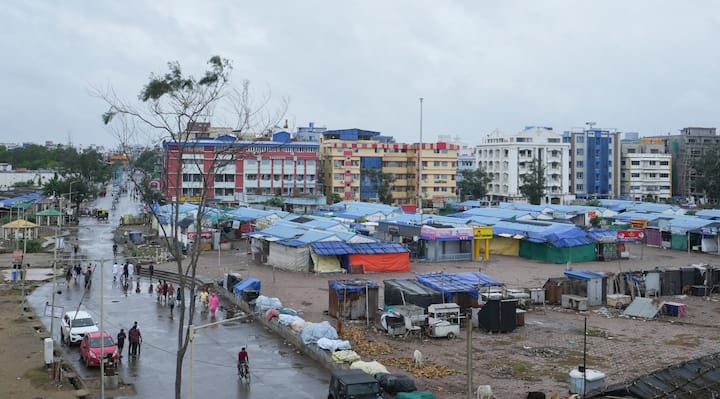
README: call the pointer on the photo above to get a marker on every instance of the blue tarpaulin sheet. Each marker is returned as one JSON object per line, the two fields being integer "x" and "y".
{"x": 344, "y": 287}
{"x": 560, "y": 235}
{"x": 452, "y": 283}
{"x": 248, "y": 283}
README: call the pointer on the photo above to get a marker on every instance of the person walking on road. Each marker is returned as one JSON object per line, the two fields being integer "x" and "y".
{"x": 121, "y": 341}
{"x": 151, "y": 270}
{"x": 135, "y": 340}
{"x": 68, "y": 276}
{"x": 214, "y": 302}
{"x": 88, "y": 277}
{"x": 115, "y": 272}
{"x": 131, "y": 271}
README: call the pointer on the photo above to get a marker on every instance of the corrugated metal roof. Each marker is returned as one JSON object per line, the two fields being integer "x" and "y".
{"x": 696, "y": 378}
{"x": 343, "y": 248}
{"x": 331, "y": 248}
{"x": 583, "y": 274}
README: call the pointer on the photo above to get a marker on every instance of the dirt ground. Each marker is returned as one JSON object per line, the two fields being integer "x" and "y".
{"x": 535, "y": 357}
{"x": 22, "y": 371}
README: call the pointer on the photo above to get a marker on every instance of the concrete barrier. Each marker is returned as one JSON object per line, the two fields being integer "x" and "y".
{"x": 322, "y": 356}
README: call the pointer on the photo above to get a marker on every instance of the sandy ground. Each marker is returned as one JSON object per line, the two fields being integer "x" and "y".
{"x": 537, "y": 356}
{"x": 22, "y": 370}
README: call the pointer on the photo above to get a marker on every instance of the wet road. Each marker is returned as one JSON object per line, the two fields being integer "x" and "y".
{"x": 276, "y": 369}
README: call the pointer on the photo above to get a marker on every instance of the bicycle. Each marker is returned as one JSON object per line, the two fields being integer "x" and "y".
{"x": 244, "y": 372}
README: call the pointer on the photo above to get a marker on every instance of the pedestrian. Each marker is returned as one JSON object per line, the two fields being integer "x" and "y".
{"x": 151, "y": 270}
{"x": 159, "y": 290}
{"x": 121, "y": 341}
{"x": 172, "y": 305}
{"x": 165, "y": 291}
{"x": 135, "y": 340}
{"x": 115, "y": 269}
{"x": 138, "y": 269}
{"x": 214, "y": 302}
{"x": 131, "y": 270}
{"x": 88, "y": 276}
{"x": 78, "y": 271}
{"x": 68, "y": 276}
{"x": 125, "y": 272}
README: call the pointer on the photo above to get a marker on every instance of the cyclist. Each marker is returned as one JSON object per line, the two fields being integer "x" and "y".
{"x": 243, "y": 360}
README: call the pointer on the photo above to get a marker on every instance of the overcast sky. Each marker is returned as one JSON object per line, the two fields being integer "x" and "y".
{"x": 645, "y": 66}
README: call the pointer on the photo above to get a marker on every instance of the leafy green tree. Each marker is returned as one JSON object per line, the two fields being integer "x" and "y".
{"x": 334, "y": 198}
{"x": 146, "y": 161}
{"x": 473, "y": 183}
{"x": 707, "y": 178}
{"x": 276, "y": 202}
{"x": 592, "y": 202}
{"x": 533, "y": 187}
{"x": 385, "y": 188}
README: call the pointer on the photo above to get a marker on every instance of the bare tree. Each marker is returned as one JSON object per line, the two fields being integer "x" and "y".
{"x": 170, "y": 106}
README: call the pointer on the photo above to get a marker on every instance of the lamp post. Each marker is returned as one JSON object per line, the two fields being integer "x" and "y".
{"x": 419, "y": 204}
{"x": 70, "y": 198}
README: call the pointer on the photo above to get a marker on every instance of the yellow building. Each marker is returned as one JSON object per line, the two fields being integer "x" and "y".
{"x": 356, "y": 164}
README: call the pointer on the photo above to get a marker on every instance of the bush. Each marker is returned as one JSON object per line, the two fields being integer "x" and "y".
{"x": 34, "y": 246}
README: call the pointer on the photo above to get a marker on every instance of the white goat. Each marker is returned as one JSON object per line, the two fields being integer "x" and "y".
{"x": 417, "y": 356}
{"x": 484, "y": 392}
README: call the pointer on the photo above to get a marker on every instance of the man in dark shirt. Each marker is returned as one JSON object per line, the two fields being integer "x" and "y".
{"x": 121, "y": 340}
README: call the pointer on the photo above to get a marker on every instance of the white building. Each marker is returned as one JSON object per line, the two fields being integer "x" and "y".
{"x": 645, "y": 169}
{"x": 9, "y": 177}
{"x": 506, "y": 158}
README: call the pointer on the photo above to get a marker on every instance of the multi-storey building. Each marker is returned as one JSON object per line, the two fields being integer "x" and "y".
{"x": 232, "y": 171}
{"x": 506, "y": 158}
{"x": 309, "y": 133}
{"x": 595, "y": 163}
{"x": 690, "y": 145}
{"x": 354, "y": 162}
{"x": 645, "y": 169}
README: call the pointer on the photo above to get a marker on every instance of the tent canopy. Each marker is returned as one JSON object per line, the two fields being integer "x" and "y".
{"x": 451, "y": 283}
{"x": 248, "y": 283}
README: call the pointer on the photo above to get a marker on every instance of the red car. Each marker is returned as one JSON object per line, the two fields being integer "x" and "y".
{"x": 90, "y": 348}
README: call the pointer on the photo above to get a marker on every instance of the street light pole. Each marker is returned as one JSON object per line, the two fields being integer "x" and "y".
{"x": 70, "y": 198}
{"x": 419, "y": 204}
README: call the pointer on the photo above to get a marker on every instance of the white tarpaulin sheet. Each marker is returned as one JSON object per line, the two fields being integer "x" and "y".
{"x": 294, "y": 259}
{"x": 333, "y": 345}
{"x": 313, "y": 332}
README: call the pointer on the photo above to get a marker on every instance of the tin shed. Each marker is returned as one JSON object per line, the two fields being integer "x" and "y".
{"x": 354, "y": 299}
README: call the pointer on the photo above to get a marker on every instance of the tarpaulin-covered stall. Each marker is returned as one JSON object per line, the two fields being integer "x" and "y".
{"x": 380, "y": 257}
{"x": 352, "y": 299}
{"x": 409, "y": 291}
{"x": 246, "y": 284}
{"x": 372, "y": 256}
{"x": 549, "y": 242}
{"x": 451, "y": 285}
{"x": 289, "y": 255}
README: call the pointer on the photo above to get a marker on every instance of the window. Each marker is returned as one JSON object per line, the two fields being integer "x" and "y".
{"x": 635, "y": 163}
{"x": 579, "y": 139}
{"x": 664, "y": 163}
{"x": 251, "y": 177}
{"x": 665, "y": 175}
{"x": 579, "y": 164}
{"x": 579, "y": 187}
{"x": 635, "y": 175}
{"x": 310, "y": 164}
{"x": 579, "y": 175}
{"x": 579, "y": 151}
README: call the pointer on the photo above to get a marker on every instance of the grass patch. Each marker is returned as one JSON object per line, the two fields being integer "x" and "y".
{"x": 518, "y": 369}
{"x": 685, "y": 340}
{"x": 38, "y": 376}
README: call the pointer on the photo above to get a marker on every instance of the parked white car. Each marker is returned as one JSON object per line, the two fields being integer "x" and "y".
{"x": 74, "y": 325}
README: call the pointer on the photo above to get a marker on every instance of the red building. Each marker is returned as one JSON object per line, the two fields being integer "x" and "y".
{"x": 238, "y": 171}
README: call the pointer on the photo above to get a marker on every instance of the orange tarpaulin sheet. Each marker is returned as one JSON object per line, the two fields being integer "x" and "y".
{"x": 397, "y": 262}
